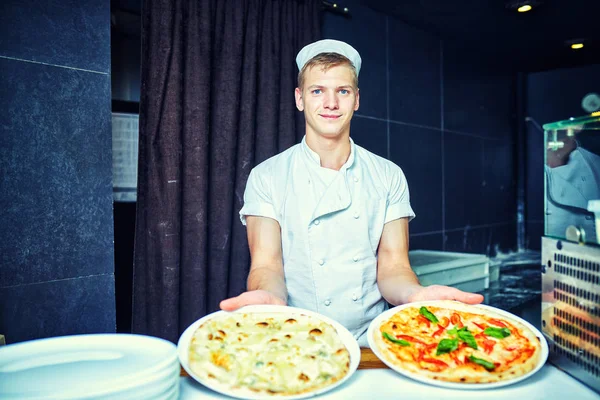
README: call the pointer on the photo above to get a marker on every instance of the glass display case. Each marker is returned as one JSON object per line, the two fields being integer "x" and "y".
{"x": 572, "y": 184}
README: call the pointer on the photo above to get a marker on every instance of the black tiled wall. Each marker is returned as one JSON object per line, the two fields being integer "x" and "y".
{"x": 446, "y": 119}
{"x": 57, "y": 257}
{"x": 551, "y": 96}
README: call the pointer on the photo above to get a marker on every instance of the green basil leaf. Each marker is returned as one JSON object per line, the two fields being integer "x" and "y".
{"x": 486, "y": 364}
{"x": 394, "y": 340}
{"x": 428, "y": 314}
{"x": 452, "y": 331}
{"x": 446, "y": 346}
{"x": 467, "y": 337}
{"x": 499, "y": 333}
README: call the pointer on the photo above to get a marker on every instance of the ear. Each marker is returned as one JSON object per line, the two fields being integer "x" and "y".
{"x": 357, "y": 103}
{"x": 299, "y": 102}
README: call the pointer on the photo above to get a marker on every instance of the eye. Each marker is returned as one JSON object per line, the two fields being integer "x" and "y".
{"x": 344, "y": 91}
{"x": 316, "y": 91}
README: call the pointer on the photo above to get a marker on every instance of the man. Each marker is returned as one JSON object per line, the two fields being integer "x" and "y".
{"x": 327, "y": 220}
{"x": 572, "y": 180}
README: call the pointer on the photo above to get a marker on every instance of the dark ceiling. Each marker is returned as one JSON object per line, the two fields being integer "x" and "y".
{"x": 532, "y": 41}
{"x": 535, "y": 40}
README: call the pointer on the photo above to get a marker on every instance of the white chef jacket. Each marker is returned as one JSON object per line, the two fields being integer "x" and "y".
{"x": 331, "y": 222}
{"x": 569, "y": 188}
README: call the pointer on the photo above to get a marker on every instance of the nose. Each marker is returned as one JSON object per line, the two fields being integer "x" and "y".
{"x": 330, "y": 101}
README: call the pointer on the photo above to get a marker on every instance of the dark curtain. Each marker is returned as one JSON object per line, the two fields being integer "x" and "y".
{"x": 217, "y": 98}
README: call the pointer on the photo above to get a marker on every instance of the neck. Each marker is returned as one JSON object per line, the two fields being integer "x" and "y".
{"x": 333, "y": 152}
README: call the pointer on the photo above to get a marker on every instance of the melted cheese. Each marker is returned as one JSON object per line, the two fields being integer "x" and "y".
{"x": 270, "y": 353}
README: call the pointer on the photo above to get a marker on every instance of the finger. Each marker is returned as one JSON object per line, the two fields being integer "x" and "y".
{"x": 242, "y": 300}
{"x": 470, "y": 298}
{"x": 464, "y": 297}
{"x": 246, "y": 299}
{"x": 230, "y": 304}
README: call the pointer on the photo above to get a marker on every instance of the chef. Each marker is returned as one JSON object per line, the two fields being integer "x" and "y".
{"x": 327, "y": 220}
{"x": 572, "y": 180}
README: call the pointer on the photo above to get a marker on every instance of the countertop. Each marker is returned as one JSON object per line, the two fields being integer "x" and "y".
{"x": 518, "y": 289}
{"x": 517, "y": 285}
{"x": 373, "y": 380}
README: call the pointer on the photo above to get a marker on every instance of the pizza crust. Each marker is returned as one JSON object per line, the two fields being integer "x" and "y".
{"x": 459, "y": 369}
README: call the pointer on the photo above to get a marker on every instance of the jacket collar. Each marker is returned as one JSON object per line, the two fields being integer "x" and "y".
{"x": 314, "y": 157}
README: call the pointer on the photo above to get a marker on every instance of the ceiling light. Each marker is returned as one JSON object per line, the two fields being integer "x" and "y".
{"x": 524, "y": 8}
{"x": 577, "y": 46}
{"x": 522, "y": 5}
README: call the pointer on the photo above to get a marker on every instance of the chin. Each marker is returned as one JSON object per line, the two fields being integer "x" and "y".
{"x": 332, "y": 131}
{"x": 330, "y": 135}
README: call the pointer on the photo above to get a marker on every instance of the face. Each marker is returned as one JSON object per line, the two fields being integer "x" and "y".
{"x": 328, "y": 100}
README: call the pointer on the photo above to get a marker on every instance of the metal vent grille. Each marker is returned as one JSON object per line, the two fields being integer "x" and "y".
{"x": 577, "y": 268}
{"x": 588, "y": 361}
{"x": 577, "y": 262}
{"x": 571, "y": 308}
{"x": 559, "y": 294}
{"x": 578, "y": 327}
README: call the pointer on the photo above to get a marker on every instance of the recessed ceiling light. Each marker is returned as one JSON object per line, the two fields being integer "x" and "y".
{"x": 524, "y": 8}
{"x": 577, "y": 46}
{"x": 522, "y": 5}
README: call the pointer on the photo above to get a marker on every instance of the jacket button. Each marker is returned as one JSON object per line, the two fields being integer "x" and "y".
{"x": 355, "y": 179}
{"x": 321, "y": 262}
{"x": 356, "y": 215}
{"x": 355, "y": 258}
{"x": 327, "y": 302}
{"x": 354, "y": 298}
{"x": 317, "y": 222}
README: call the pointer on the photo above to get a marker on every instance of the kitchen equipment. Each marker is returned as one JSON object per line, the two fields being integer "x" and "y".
{"x": 594, "y": 206}
{"x": 570, "y": 247}
{"x": 468, "y": 272}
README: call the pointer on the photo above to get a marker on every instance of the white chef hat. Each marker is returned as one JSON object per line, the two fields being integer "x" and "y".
{"x": 328, "y": 46}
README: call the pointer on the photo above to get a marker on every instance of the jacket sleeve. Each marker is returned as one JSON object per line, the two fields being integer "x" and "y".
{"x": 398, "y": 204}
{"x": 257, "y": 196}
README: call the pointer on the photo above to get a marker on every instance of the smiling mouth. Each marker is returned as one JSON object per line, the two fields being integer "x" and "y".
{"x": 329, "y": 116}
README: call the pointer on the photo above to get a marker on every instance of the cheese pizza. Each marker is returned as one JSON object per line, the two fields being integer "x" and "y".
{"x": 271, "y": 354}
{"x": 455, "y": 342}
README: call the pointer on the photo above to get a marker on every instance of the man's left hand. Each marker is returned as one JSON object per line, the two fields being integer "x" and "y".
{"x": 439, "y": 292}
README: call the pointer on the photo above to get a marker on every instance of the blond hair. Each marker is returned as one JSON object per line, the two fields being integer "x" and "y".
{"x": 327, "y": 61}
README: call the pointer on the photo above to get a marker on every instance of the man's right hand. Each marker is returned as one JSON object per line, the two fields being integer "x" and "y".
{"x": 251, "y": 298}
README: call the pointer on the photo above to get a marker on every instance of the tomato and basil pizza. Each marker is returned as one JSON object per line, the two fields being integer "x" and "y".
{"x": 455, "y": 342}
{"x": 271, "y": 354}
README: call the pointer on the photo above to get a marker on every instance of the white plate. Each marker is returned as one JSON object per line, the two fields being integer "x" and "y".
{"x": 159, "y": 386}
{"x": 346, "y": 337}
{"x": 164, "y": 390}
{"x": 376, "y": 323}
{"x": 84, "y": 366}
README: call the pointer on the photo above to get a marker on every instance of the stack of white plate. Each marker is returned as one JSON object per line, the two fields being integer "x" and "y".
{"x": 102, "y": 366}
